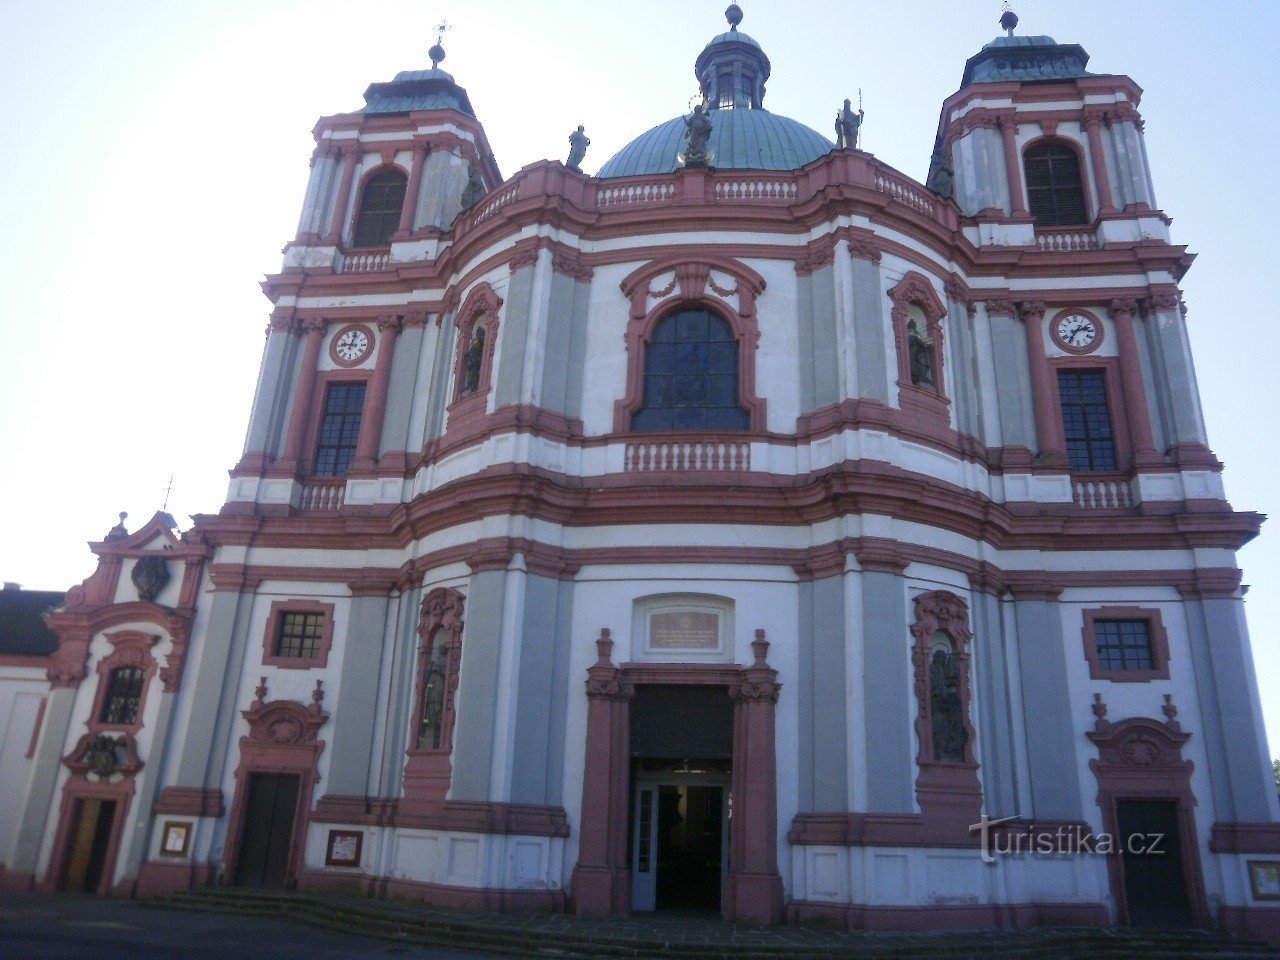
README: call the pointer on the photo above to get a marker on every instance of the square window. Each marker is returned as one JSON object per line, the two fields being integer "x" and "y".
{"x": 298, "y": 635}
{"x": 1125, "y": 644}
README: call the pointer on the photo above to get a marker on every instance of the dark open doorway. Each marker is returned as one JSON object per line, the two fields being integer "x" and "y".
{"x": 266, "y": 839}
{"x": 90, "y": 841}
{"x": 1155, "y": 884}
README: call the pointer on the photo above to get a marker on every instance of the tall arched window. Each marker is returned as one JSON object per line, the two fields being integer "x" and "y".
{"x": 691, "y": 376}
{"x": 380, "y": 206}
{"x": 1055, "y": 189}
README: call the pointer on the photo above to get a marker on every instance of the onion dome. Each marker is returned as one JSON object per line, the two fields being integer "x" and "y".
{"x": 732, "y": 70}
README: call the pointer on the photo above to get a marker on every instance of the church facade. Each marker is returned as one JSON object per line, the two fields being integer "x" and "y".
{"x": 748, "y": 526}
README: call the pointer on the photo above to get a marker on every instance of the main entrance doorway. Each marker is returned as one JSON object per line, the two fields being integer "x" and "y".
{"x": 266, "y": 837}
{"x": 1155, "y": 885}
{"x": 681, "y": 772}
{"x": 90, "y": 841}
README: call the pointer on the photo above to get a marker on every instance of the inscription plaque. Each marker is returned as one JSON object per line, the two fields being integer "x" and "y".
{"x": 684, "y": 630}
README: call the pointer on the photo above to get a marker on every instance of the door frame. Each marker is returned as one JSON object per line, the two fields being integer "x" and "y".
{"x": 656, "y": 781}
{"x": 75, "y": 790}
{"x": 1141, "y": 759}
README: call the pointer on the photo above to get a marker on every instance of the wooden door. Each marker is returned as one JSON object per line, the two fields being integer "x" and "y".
{"x": 266, "y": 837}
{"x": 90, "y": 840}
{"x": 644, "y": 852}
{"x": 1155, "y": 885}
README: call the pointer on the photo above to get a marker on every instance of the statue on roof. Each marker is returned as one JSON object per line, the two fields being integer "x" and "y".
{"x": 942, "y": 179}
{"x": 474, "y": 190}
{"x": 847, "y": 124}
{"x": 578, "y": 143}
{"x": 698, "y": 130}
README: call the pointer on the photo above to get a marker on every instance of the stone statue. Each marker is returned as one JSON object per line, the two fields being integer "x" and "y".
{"x": 433, "y": 696}
{"x": 100, "y": 756}
{"x": 472, "y": 361}
{"x": 949, "y": 734}
{"x": 698, "y": 128}
{"x": 921, "y": 352}
{"x": 150, "y": 576}
{"x": 473, "y": 191}
{"x": 578, "y": 143}
{"x": 847, "y": 124}
{"x": 942, "y": 179}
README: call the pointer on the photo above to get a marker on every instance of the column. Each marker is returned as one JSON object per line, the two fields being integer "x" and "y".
{"x": 375, "y": 402}
{"x": 601, "y": 880}
{"x": 1098, "y": 163}
{"x": 1050, "y": 436}
{"x": 889, "y": 713}
{"x": 754, "y": 888}
{"x": 354, "y": 714}
{"x": 1137, "y": 413}
{"x": 410, "y": 208}
{"x": 477, "y": 698}
{"x": 257, "y": 444}
{"x": 1013, "y": 164}
{"x": 290, "y": 461}
{"x": 994, "y": 719}
{"x": 352, "y": 158}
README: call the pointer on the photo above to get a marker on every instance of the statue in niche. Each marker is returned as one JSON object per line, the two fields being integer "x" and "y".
{"x": 698, "y": 129}
{"x": 150, "y": 575}
{"x": 949, "y": 735}
{"x": 100, "y": 756}
{"x": 942, "y": 179}
{"x": 433, "y": 696}
{"x": 472, "y": 361}
{"x": 578, "y": 143}
{"x": 921, "y": 353}
{"x": 473, "y": 192}
{"x": 847, "y": 124}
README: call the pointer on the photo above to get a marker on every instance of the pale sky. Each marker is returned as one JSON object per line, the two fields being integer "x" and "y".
{"x": 158, "y": 156}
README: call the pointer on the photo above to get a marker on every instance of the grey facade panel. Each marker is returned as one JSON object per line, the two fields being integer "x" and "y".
{"x": 513, "y": 338}
{"x": 477, "y": 696}
{"x": 870, "y": 331}
{"x": 353, "y": 715}
{"x": 400, "y": 391}
{"x": 887, "y": 698}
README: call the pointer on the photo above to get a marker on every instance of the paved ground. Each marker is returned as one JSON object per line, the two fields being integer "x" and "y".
{"x": 69, "y": 927}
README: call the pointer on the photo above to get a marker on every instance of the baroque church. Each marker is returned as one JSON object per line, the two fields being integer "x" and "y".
{"x": 747, "y": 527}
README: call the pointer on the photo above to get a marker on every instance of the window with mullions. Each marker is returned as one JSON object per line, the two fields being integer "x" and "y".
{"x": 1086, "y": 420}
{"x": 380, "y": 206}
{"x": 339, "y": 429}
{"x": 1055, "y": 190}
{"x": 301, "y": 636}
{"x": 691, "y": 376}
{"x": 124, "y": 694}
{"x": 1123, "y": 645}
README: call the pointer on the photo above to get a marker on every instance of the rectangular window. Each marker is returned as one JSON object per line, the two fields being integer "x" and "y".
{"x": 1123, "y": 645}
{"x": 301, "y": 636}
{"x": 1086, "y": 420}
{"x": 124, "y": 694}
{"x": 339, "y": 429}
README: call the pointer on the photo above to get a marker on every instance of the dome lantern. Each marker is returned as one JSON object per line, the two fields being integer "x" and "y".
{"x": 732, "y": 69}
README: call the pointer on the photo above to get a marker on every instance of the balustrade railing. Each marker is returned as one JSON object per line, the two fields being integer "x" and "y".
{"x": 666, "y": 456}
{"x": 631, "y": 194}
{"x": 323, "y": 495}
{"x": 1057, "y": 240}
{"x": 363, "y": 261}
{"x": 756, "y": 190}
{"x": 491, "y": 205}
{"x": 1102, "y": 494}
{"x": 904, "y": 191}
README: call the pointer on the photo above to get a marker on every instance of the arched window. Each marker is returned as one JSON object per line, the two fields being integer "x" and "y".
{"x": 124, "y": 696}
{"x": 1055, "y": 190}
{"x": 691, "y": 376}
{"x": 380, "y": 206}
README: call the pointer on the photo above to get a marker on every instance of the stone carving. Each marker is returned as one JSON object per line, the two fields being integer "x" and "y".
{"x": 474, "y": 191}
{"x": 433, "y": 696}
{"x": 578, "y": 143}
{"x": 150, "y": 575}
{"x": 942, "y": 179}
{"x": 698, "y": 130}
{"x": 921, "y": 349}
{"x": 100, "y": 756}
{"x": 847, "y": 125}
{"x": 472, "y": 361}
{"x": 949, "y": 734}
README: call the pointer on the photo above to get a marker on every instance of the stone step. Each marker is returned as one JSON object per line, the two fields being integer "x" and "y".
{"x": 573, "y": 939}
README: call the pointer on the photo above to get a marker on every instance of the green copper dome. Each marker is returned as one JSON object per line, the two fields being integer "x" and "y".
{"x": 740, "y": 140}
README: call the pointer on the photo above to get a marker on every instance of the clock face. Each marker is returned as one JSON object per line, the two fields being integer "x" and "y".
{"x": 1077, "y": 332}
{"x": 350, "y": 346}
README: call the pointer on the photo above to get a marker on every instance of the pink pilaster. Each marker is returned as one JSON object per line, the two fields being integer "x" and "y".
{"x": 302, "y": 396}
{"x": 352, "y": 160}
{"x": 754, "y": 890}
{"x": 1013, "y": 164}
{"x": 1137, "y": 415}
{"x": 601, "y": 880}
{"x": 1050, "y": 437}
{"x": 375, "y": 406}
{"x": 411, "y": 192}
{"x": 1098, "y": 162}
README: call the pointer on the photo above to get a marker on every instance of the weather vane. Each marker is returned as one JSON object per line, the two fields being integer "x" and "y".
{"x": 443, "y": 27}
{"x": 436, "y": 53}
{"x": 167, "y": 493}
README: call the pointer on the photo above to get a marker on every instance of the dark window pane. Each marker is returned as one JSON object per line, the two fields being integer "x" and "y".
{"x": 691, "y": 376}
{"x": 300, "y": 635}
{"x": 380, "y": 206}
{"x": 1123, "y": 645}
{"x": 339, "y": 429}
{"x": 1086, "y": 420}
{"x": 1055, "y": 189}
{"x": 124, "y": 694}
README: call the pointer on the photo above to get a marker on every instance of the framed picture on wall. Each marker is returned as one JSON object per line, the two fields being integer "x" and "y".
{"x": 175, "y": 839}
{"x": 344, "y": 848}
{"x": 1264, "y": 879}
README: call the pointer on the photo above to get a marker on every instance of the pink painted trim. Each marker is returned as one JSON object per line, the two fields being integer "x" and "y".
{"x": 1245, "y": 838}
{"x": 1044, "y": 390}
{"x": 333, "y": 343}
{"x": 313, "y": 413}
{"x": 1137, "y": 415}
{"x": 1113, "y": 381}
{"x": 365, "y": 177}
{"x": 156, "y": 879}
{"x": 1090, "y": 206}
{"x": 1098, "y": 163}
{"x": 274, "y": 619}
{"x": 302, "y": 396}
{"x": 375, "y": 403}
{"x": 36, "y": 728}
{"x": 481, "y": 306}
{"x": 935, "y": 917}
{"x": 1155, "y": 629}
{"x": 191, "y": 802}
{"x": 411, "y": 192}
{"x": 76, "y": 789}
{"x": 1257, "y": 923}
{"x": 13, "y": 882}
{"x": 20, "y": 660}
{"x": 458, "y": 816}
{"x": 131, "y": 648}
{"x": 474, "y": 899}
{"x": 353, "y": 156}
{"x": 429, "y": 770}
{"x": 1008, "y": 123}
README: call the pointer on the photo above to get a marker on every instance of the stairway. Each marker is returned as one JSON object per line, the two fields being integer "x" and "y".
{"x": 697, "y": 937}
